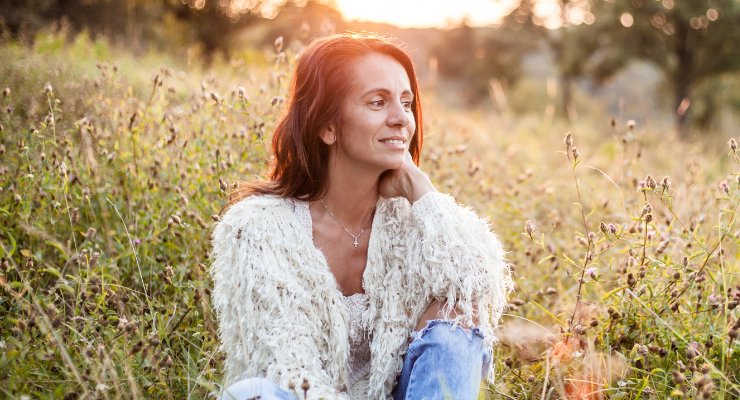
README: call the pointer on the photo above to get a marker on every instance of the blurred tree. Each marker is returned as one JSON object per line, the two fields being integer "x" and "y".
{"x": 473, "y": 57}
{"x": 690, "y": 41}
{"x": 136, "y": 22}
{"x": 571, "y": 44}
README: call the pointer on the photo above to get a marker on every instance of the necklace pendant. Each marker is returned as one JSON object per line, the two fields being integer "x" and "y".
{"x": 356, "y": 243}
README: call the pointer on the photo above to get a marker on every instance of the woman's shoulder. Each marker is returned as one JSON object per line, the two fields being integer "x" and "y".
{"x": 255, "y": 212}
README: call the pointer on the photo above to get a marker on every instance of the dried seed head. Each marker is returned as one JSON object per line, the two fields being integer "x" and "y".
{"x": 650, "y": 182}
{"x": 90, "y": 233}
{"x": 647, "y": 209}
{"x": 665, "y": 183}
{"x": 612, "y": 122}
{"x": 724, "y": 188}
{"x": 241, "y": 92}
{"x": 613, "y": 229}
{"x": 48, "y": 88}
{"x": 678, "y": 377}
{"x": 732, "y": 143}
{"x": 305, "y": 385}
{"x": 223, "y": 185}
{"x": 529, "y": 228}
{"x": 603, "y": 228}
{"x": 631, "y": 125}
{"x": 278, "y": 44}
{"x": 568, "y": 140}
{"x": 648, "y": 217}
{"x": 6, "y": 92}
{"x": 575, "y": 153}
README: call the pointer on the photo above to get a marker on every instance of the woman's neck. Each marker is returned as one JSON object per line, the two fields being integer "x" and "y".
{"x": 351, "y": 195}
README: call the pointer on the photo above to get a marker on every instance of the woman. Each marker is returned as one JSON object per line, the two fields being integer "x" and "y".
{"x": 345, "y": 275}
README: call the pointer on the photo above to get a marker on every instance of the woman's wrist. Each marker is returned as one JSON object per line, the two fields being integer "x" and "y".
{"x": 416, "y": 185}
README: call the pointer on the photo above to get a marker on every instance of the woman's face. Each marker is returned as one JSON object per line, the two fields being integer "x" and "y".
{"x": 377, "y": 122}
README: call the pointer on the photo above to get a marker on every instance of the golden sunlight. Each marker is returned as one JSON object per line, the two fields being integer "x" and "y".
{"x": 426, "y": 13}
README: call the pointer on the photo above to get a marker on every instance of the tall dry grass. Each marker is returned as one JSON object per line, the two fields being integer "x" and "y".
{"x": 623, "y": 239}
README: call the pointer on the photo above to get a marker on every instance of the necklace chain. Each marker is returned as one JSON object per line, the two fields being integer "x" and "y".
{"x": 356, "y": 238}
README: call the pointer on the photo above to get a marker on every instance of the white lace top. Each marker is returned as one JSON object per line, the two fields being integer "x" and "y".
{"x": 359, "y": 340}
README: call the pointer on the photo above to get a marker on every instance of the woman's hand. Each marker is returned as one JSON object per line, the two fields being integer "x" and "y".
{"x": 408, "y": 181}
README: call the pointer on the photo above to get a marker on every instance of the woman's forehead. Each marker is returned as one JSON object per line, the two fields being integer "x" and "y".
{"x": 379, "y": 72}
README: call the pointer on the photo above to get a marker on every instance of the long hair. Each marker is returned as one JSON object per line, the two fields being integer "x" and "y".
{"x": 322, "y": 79}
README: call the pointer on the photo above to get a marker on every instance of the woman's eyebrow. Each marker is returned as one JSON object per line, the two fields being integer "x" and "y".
{"x": 386, "y": 92}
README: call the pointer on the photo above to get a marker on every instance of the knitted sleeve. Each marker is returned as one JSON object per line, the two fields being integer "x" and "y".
{"x": 458, "y": 257}
{"x": 265, "y": 330}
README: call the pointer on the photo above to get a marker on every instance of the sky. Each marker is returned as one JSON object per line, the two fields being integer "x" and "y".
{"x": 426, "y": 13}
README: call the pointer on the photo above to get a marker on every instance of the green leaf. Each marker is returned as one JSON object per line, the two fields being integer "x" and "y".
{"x": 53, "y": 271}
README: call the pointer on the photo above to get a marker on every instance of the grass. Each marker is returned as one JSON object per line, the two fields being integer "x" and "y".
{"x": 112, "y": 165}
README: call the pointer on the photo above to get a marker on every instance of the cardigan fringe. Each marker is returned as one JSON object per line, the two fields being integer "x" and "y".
{"x": 280, "y": 310}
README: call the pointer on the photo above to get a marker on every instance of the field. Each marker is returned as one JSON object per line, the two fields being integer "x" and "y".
{"x": 623, "y": 238}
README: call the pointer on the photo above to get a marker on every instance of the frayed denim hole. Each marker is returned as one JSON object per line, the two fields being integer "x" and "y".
{"x": 434, "y": 322}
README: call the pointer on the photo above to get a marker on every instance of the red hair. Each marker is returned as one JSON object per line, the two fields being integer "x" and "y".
{"x": 322, "y": 78}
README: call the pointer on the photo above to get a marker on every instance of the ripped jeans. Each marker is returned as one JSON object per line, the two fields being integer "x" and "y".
{"x": 440, "y": 364}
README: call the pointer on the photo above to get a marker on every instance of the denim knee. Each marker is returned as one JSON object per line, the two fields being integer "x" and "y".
{"x": 443, "y": 361}
{"x": 255, "y": 388}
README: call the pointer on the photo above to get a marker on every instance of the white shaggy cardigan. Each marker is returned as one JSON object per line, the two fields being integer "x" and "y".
{"x": 280, "y": 309}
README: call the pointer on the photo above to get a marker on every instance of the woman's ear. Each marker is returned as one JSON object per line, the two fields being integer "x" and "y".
{"x": 328, "y": 134}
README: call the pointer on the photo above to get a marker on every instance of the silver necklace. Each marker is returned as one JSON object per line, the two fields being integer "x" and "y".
{"x": 356, "y": 238}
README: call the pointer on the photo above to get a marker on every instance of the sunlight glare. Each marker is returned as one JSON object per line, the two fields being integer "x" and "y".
{"x": 429, "y": 13}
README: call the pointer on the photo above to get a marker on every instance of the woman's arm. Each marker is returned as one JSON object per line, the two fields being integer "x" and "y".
{"x": 264, "y": 326}
{"x": 452, "y": 251}
{"x": 456, "y": 254}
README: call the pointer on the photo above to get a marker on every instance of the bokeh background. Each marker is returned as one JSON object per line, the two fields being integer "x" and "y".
{"x": 598, "y": 136}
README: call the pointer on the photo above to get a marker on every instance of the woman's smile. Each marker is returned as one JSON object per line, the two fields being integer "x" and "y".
{"x": 376, "y": 117}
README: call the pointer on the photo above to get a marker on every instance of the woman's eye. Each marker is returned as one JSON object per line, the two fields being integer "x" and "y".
{"x": 406, "y": 104}
{"x": 377, "y": 103}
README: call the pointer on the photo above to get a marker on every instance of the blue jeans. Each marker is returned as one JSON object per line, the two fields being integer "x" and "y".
{"x": 440, "y": 364}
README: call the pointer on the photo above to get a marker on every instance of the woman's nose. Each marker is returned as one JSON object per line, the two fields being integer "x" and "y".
{"x": 398, "y": 116}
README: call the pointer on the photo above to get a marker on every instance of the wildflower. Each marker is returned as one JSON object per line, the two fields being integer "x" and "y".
{"x": 529, "y": 228}
{"x": 48, "y": 88}
{"x": 591, "y": 271}
{"x": 568, "y": 140}
{"x": 575, "y": 153}
{"x": 278, "y": 44}
{"x": 678, "y": 377}
{"x": 613, "y": 229}
{"x": 665, "y": 183}
{"x": 6, "y": 92}
{"x": 647, "y": 209}
{"x": 241, "y": 92}
{"x": 650, "y": 182}
{"x": 305, "y": 386}
{"x": 732, "y": 143}
{"x": 631, "y": 125}
{"x": 724, "y": 188}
